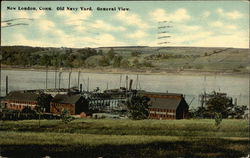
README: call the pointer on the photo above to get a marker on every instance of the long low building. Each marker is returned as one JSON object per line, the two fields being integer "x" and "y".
{"x": 18, "y": 100}
{"x": 166, "y": 106}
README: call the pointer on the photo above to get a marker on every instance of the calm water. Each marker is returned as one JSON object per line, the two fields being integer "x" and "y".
{"x": 190, "y": 85}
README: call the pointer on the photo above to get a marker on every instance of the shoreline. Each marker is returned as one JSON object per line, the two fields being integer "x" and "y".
{"x": 143, "y": 71}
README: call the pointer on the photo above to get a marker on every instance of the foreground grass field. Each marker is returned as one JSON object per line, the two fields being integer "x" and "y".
{"x": 124, "y": 138}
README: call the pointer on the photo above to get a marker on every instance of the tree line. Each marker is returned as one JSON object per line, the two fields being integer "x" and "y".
{"x": 68, "y": 57}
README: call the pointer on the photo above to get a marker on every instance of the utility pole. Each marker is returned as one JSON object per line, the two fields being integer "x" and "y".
{"x": 88, "y": 85}
{"x": 126, "y": 83}
{"x": 120, "y": 81}
{"x": 60, "y": 74}
{"x": 7, "y": 85}
{"x": 78, "y": 81}
{"x": 0, "y": 75}
{"x": 46, "y": 78}
{"x": 55, "y": 76}
{"x": 69, "y": 79}
{"x": 137, "y": 80}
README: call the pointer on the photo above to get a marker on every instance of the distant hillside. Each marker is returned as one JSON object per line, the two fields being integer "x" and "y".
{"x": 131, "y": 58}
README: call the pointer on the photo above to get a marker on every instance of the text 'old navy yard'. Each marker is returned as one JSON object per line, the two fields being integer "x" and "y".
{"x": 91, "y": 8}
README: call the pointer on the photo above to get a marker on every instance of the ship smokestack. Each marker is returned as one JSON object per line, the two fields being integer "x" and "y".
{"x": 130, "y": 84}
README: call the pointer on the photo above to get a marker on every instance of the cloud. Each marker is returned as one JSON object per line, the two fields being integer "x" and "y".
{"x": 100, "y": 24}
{"x": 221, "y": 25}
{"x": 217, "y": 24}
{"x": 23, "y": 40}
{"x": 187, "y": 28}
{"x": 236, "y": 40}
{"x": 46, "y": 25}
{"x": 137, "y": 34}
{"x": 78, "y": 20}
{"x": 30, "y": 15}
{"x": 179, "y": 15}
{"x": 206, "y": 14}
{"x": 103, "y": 40}
{"x": 190, "y": 37}
{"x": 233, "y": 27}
{"x": 80, "y": 28}
{"x": 131, "y": 19}
{"x": 230, "y": 15}
{"x": 72, "y": 18}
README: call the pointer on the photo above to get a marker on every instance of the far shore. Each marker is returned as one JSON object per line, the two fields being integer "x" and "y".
{"x": 143, "y": 71}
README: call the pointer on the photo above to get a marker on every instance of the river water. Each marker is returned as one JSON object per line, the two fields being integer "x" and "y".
{"x": 189, "y": 85}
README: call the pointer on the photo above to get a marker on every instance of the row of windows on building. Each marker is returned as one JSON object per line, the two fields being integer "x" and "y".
{"x": 60, "y": 104}
{"x": 161, "y": 116}
{"x": 18, "y": 107}
{"x": 23, "y": 102}
{"x": 162, "y": 110}
{"x": 20, "y": 104}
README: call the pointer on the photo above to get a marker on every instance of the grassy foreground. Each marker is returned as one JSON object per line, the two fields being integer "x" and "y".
{"x": 124, "y": 138}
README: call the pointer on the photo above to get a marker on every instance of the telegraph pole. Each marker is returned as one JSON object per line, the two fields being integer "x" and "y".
{"x": 69, "y": 79}
{"x": 55, "y": 76}
{"x": 0, "y": 74}
{"x": 78, "y": 79}
{"x": 59, "y": 85}
{"x": 46, "y": 77}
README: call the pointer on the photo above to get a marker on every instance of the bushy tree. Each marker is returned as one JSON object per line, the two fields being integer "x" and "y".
{"x": 219, "y": 104}
{"x": 104, "y": 61}
{"x": 111, "y": 54}
{"x": 136, "y": 63}
{"x": 117, "y": 61}
{"x": 147, "y": 63}
{"x": 125, "y": 63}
{"x": 43, "y": 102}
{"x": 66, "y": 118}
{"x": 135, "y": 54}
{"x": 138, "y": 107}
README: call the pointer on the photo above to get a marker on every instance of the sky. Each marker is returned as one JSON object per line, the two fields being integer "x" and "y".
{"x": 148, "y": 23}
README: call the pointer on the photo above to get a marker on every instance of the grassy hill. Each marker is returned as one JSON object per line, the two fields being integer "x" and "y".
{"x": 232, "y": 60}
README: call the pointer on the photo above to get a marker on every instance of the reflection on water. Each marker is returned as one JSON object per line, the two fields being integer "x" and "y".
{"x": 190, "y": 85}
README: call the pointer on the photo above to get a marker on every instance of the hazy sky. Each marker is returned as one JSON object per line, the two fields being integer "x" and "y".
{"x": 200, "y": 23}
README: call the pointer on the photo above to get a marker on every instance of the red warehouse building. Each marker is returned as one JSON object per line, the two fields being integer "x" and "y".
{"x": 74, "y": 103}
{"x": 18, "y": 100}
{"x": 166, "y": 106}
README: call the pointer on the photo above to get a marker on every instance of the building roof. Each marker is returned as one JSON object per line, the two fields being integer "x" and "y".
{"x": 66, "y": 99}
{"x": 165, "y": 103}
{"x": 21, "y": 95}
{"x": 160, "y": 93}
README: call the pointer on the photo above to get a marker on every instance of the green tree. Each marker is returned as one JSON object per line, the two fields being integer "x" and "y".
{"x": 147, "y": 63}
{"x": 136, "y": 63}
{"x": 138, "y": 107}
{"x": 43, "y": 102}
{"x": 124, "y": 63}
{"x": 218, "y": 119}
{"x": 220, "y": 103}
{"x": 66, "y": 118}
{"x": 117, "y": 61}
{"x": 45, "y": 60}
{"x": 135, "y": 54}
{"x": 111, "y": 54}
{"x": 104, "y": 61}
